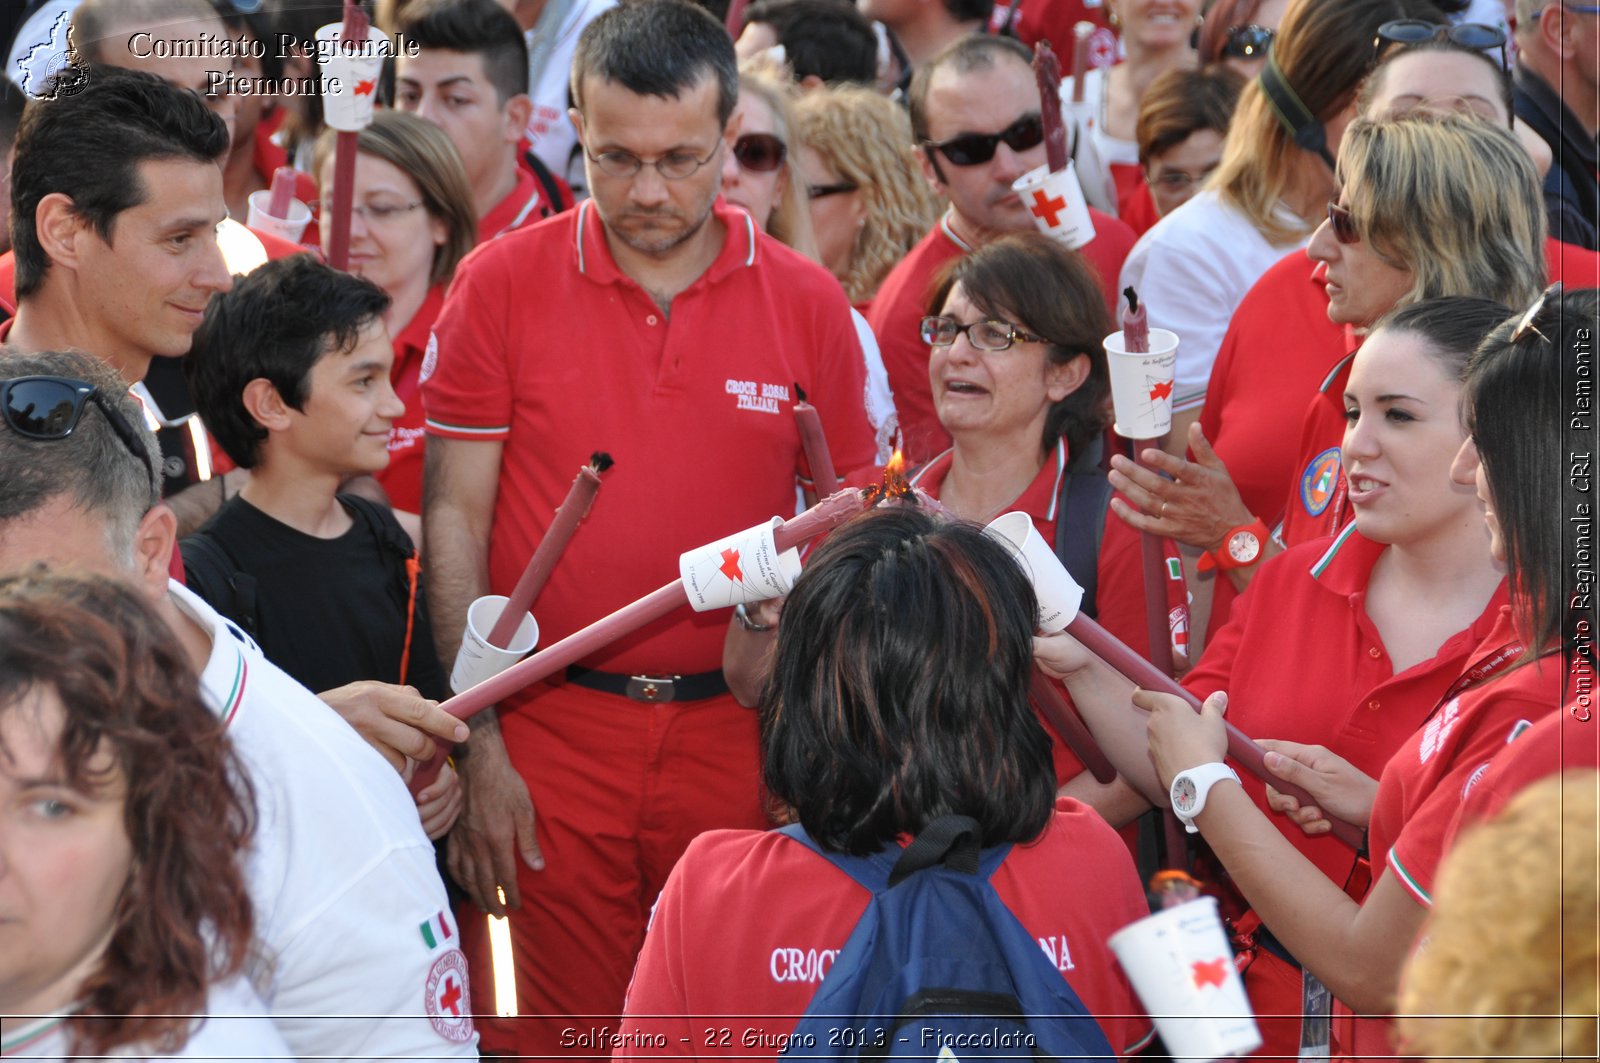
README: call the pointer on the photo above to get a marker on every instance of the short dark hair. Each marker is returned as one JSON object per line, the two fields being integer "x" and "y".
{"x": 970, "y": 10}
{"x": 184, "y": 918}
{"x": 978, "y": 51}
{"x": 92, "y": 466}
{"x": 881, "y": 713}
{"x": 475, "y": 27}
{"x": 89, "y": 145}
{"x": 1518, "y": 393}
{"x": 1180, "y": 103}
{"x": 275, "y": 324}
{"x": 1049, "y": 289}
{"x": 658, "y": 48}
{"x": 826, "y": 39}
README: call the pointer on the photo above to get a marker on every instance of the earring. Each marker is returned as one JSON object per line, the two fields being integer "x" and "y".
{"x": 1113, "y": 18}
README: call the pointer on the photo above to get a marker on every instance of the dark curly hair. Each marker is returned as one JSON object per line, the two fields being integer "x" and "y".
{"x": 184, "y": 918}
{"x": 883, "y": 713}
{"x": 1047, "y": 288}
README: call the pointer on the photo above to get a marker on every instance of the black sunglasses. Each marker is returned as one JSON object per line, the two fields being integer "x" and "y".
{"x": 1343, "y": 224}
{"x": 974, "y": 149}
{"x": 49, "y": 407}
{"x": 1248, "y": 42}
{"x": 760, "y": 152}
{"x": 838, "y": 188}
{"x": 1473, "y": 36}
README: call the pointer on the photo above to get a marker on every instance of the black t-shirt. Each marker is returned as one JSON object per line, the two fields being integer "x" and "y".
{"x": 327, "y": 611}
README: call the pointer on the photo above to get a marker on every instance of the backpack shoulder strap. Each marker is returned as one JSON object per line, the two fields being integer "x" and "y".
{"x": 380, "y": 521}
{"x": 207, "y": 558}
{"x": 1081, "y": 519}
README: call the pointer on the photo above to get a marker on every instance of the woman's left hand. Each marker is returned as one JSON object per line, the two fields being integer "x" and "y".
{"x": 1181, "y": 738}
{"x": 1199, "y": 505}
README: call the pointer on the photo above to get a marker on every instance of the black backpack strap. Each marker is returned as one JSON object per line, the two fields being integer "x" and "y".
{"x": 205, "y": 557}
{"x": 954, "y": 841}
{"x": 1081, "y": 519}
{"x": 554, "y": 201}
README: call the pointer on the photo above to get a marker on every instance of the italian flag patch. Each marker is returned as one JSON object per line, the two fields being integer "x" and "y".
{"x": 436, "y": 930}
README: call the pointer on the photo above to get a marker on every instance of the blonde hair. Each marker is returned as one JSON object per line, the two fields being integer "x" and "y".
{"x": 1452, "y": 198}
{"x": 866, "y": 139}
{"x": 1323, "y": 51}
{"x": 790, "y": 220}
{"x": 1510, "y": 967}
{"x": 423, "y": 152}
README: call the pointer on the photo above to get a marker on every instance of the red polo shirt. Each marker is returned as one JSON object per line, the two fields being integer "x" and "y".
{"x": 402, "y": 477}
{"x": 1564, "y": 741}
{"x": 1316, "y": 497}
{"x": 523, "y": 205}
{"x": 750, "y": 922}
{"x": 696, "y": 409}
{"x": 1301, "y": 660}
{"x": 1424, "y": 784}
{"x": 902, "y": 302}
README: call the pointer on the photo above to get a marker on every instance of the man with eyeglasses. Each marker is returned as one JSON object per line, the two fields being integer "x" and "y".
{"x": 339, "y": 871}
{"x": 658, "y": 324}
{"x": 1557, "y": 94}
{"x": 975, "y": 115}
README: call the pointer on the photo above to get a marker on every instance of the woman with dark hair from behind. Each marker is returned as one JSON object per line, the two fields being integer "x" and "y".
{"x": 123, "y": 909}
{"x": 882, "y": 714}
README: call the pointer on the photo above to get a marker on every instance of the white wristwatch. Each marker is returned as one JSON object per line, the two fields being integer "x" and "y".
{"x": 1189, "y": 789}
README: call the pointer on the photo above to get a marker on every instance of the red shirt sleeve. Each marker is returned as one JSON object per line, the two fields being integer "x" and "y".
{"x": 467, "y": 390}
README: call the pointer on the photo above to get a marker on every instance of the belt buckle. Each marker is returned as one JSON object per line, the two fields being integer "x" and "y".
{"x": 651, "y": 688}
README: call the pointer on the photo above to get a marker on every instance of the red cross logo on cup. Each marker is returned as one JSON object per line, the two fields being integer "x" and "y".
{"x": 1047, "y": 207}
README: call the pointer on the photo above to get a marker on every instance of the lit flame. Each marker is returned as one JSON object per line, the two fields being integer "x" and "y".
{"x": 894, "y": 485}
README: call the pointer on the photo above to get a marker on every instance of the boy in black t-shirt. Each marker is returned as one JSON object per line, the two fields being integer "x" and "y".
{"x": 290, "y": 372}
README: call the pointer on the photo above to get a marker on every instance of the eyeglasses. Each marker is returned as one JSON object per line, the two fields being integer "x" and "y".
{"x": 974, "y": 149}
{"x": 1525, "y": 325}
{"x": 836, "y": 189}
{"x": 983, "y": 335}
{"x": 673, "y": 166}
{"x": 759, "y": 152}
{"x": 1248, "y": 42}
{"x": 1343, "y": 224}
{"x": 1473, "y": 36}
{"x": 49, "y": 407}
{"x": 371, "y": 213}
{"x": 1178, "y": 180}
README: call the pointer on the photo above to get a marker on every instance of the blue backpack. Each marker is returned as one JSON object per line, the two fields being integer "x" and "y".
{"x": 938, "y": 967}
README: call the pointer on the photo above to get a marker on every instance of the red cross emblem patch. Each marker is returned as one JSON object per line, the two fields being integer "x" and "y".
{"x": 448, "y": 1002}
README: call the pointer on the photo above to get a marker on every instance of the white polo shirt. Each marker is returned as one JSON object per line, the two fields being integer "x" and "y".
{"x": 360, "y": 958}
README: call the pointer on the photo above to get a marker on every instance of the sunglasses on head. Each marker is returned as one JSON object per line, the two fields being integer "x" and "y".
{"x": 1248, "y": 42}
{"x": 1343, "y": 224}
{"x": 759, "y": 152}
{"x": 974, "y": 149}
{"x": 49, "y": 407}
{"x": 1473, "y": 36}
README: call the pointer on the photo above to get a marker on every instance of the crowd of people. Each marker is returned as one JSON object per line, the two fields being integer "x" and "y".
{"x": 256, "y": 480}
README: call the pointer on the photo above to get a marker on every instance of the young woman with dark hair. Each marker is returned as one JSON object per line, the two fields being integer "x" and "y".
{"x": 899, "y": 695}
{"x": 123, "y": 910}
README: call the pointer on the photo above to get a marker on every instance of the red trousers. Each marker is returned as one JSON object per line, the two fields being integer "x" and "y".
{"x": 619, "y": 790}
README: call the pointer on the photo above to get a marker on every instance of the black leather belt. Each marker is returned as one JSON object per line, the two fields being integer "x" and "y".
{"x": 651, "y": 688}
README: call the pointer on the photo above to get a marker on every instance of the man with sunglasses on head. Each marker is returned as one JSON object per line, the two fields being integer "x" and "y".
{"x": 975, "y": 115}
{"x": 339, "y": 870}
{"x": 658, "y": 324}
{"x": 1557, "y": 95}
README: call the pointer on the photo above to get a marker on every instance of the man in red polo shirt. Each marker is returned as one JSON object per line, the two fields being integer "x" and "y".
{"x": 657, "y": 324}
{"x": 470, "y": 77}
{"x": 975, "y": 113}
